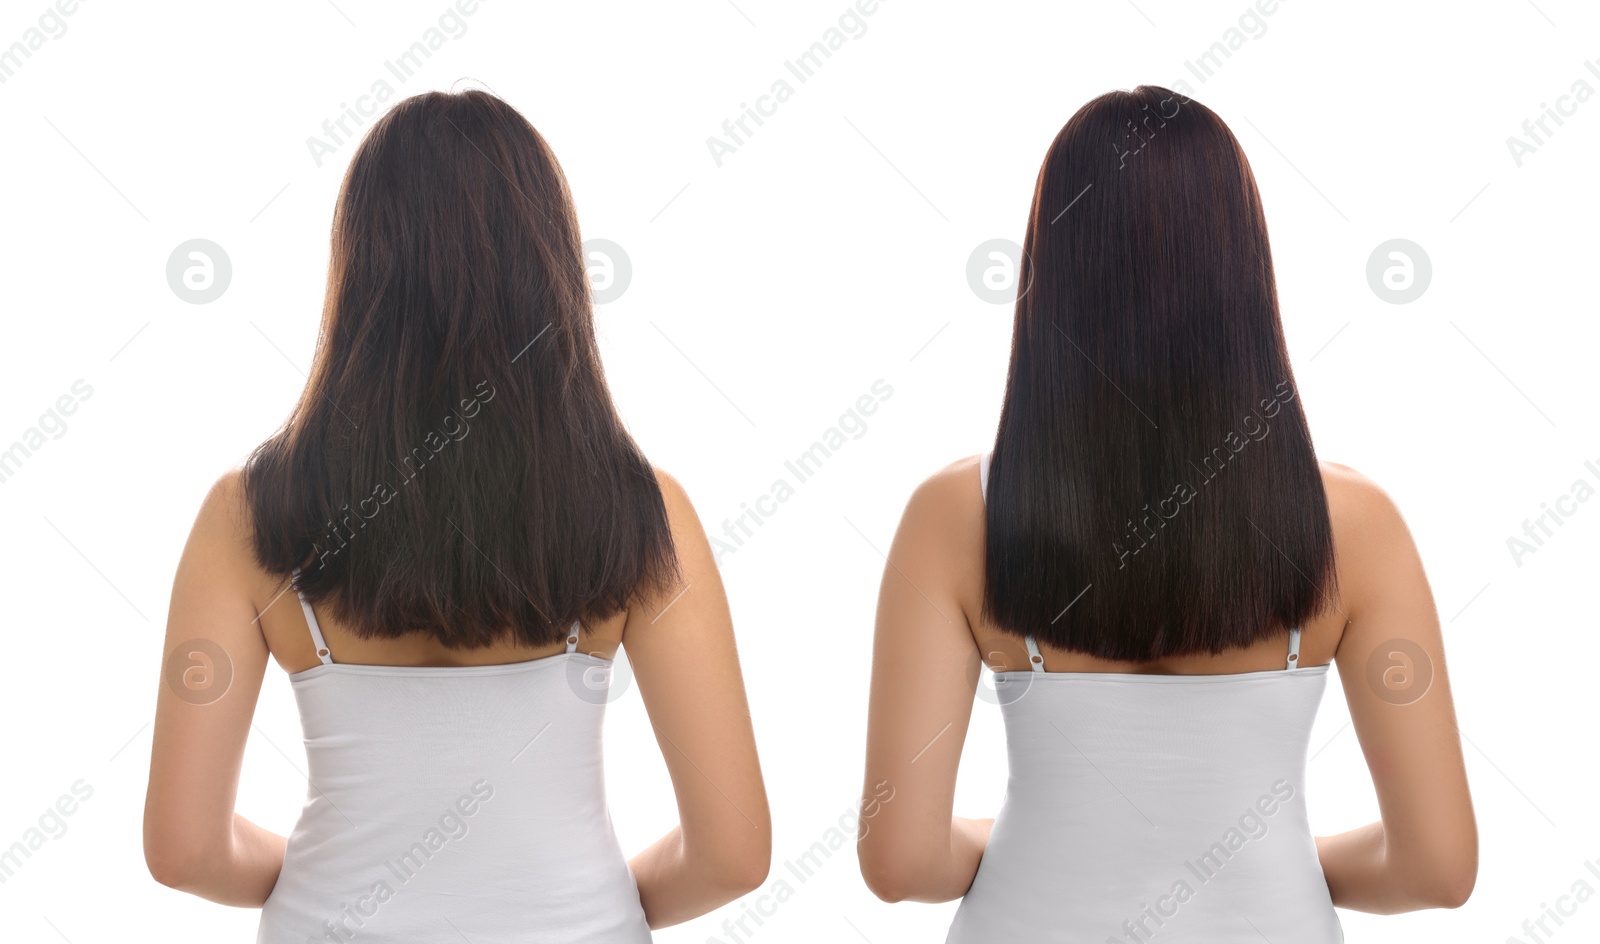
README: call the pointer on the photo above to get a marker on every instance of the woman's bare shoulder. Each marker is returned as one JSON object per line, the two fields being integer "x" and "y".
{"x": 223, "y": 539}
{"x": 1372, "y": 543}
{"x": 1357, "y": 505}
{"x": 224, "y": 516}
{"x": 942, "y": 528}
{"x": 951, "y": 497}
{"x": 682, "y": 518}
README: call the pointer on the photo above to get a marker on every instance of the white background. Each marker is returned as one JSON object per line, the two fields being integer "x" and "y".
{"x": 768, "y": 294}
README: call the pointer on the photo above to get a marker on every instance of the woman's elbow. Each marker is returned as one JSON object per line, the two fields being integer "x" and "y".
{"x": 891, "y": 877}
{"x": 748, "y": 874}
{"x": 744, "y": 868}
{"x": 174, "y": 860}
{"x": 172, "y": 867}
{"x": 1444, "y": 881}
{"x": 1449, "y": 872}
{"x": 887, "y": 886}
{"x": 1454, "y": 887}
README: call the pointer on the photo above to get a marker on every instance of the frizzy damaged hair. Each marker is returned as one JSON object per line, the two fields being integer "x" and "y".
{"x": 455, "y": 465}
{"x": 1153, "y": 490}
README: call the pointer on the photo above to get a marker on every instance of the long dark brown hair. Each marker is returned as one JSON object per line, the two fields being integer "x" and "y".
{"x": 455, "y": 464}
{"x": 1153, "y": 490}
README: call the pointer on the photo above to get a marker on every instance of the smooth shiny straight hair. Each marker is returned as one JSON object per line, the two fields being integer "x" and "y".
{"x": 1154, "y": 490}
{"x": 455, "y": 465}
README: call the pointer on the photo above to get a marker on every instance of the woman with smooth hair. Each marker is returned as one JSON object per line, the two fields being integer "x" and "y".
{"x": 1159, "y": 572}
{"x": 444, "y": 547}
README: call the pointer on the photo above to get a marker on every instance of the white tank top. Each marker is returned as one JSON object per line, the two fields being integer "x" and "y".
{"x": 1146, "y": 808}
{"x": 454, "y": 803}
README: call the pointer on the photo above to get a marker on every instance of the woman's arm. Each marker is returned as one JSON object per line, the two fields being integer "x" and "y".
{"x": 924, "y": 674}
{"x": 214, "y": 658}
{"x": 681, "y": 647}
{"x": 1424, "y": 851}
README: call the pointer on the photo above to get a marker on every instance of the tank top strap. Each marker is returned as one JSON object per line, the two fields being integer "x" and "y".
{"x": 1035, "y": 660}
{"x": 572, "y": 637}
{"x": 983, "y": 472}
{"x": 1294, "y": 648}
{"x": 311, "y": 624}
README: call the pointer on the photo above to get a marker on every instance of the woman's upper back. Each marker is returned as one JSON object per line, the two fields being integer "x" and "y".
{"x": 447, "y": 789}
{"x": 455, "y": 799}
{"x": 1148, "y": 794}
{"x": 1363, "y": 521}
{"x": 286, "y": 628}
